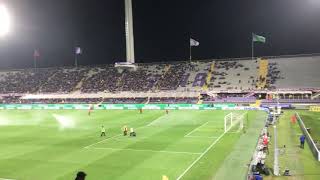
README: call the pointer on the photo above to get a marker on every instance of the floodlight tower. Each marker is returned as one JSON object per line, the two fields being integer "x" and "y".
{"x": 129, "y": 32}
{"x": 4, "y": 21}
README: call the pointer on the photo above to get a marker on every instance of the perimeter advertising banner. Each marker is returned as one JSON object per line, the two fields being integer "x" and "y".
{"x": 314, "y": 108}
{"x": 119, "y": 106}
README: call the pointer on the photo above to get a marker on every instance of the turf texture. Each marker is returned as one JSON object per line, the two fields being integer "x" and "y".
{"x": 55, "y": 144}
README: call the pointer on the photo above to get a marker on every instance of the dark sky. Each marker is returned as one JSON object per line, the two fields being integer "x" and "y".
{"x": 162, "y": 29}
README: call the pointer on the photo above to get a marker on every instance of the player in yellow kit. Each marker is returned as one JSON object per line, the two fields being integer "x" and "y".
{"x": 103, "y": 131}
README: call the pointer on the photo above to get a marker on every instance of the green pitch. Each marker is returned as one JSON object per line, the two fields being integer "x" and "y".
{"x": 45, "y": 145}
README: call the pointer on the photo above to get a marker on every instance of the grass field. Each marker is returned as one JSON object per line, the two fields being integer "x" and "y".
{"x": 300, "y": 162}
{"x": 55, "y": 144}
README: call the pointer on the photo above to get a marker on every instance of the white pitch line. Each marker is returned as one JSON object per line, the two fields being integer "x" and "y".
{"x": 151, "y": 123}
{"x": 146, "y": 150}
{"x": 195, "y": 161}
{"x": 118, "y": 135}
{"x": 102, "y": 141}
{"x": 196, "y": 128}
{"x": 6, "y": 179}
{"x": 211, "y": 137}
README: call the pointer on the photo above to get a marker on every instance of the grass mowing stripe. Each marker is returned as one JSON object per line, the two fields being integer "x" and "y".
{"x": 195, "y": 161}
{"x": 147, "y": 150}
{"x": 120, "y": 134}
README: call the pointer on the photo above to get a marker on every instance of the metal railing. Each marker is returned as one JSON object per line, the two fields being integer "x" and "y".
{"x": 309, "y": 139}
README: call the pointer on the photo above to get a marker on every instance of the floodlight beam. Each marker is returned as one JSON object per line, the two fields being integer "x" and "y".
{"x": 4, "y": 21}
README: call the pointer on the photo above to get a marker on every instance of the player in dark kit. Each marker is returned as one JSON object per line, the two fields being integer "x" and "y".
{"x": 167, "y": 111}
{"x": 140, "y": 110}
{"x": 302, "y": 139}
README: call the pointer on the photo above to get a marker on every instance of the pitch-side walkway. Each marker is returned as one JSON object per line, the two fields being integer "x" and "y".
{"x": 235, "y": 165}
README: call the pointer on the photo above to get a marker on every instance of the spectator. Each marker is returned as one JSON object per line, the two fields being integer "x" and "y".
{"x": 302, "y": 139}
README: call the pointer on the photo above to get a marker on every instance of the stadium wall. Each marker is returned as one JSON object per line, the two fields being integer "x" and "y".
{"x": 119, "y": 106}
{"x": 227, "y": 106}
{"x": 309, "y": 139}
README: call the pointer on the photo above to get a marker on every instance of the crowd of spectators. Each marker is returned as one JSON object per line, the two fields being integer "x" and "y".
{"x": 146, "y": 78}
{"x": 227, "y": 75}
{"x": 103, "y": 79}
{"x": 228, "y": 65}
{"x": 172, "y": 78}
{"x": 141, "y": 100}
{"x": 171, "y": 100}
{"x": 63, "y": 81}
{"x": 230, "y": 75}
{"x": 25, "y": 81}
{"x": 136, "y": 80}
{"x": 273, "y": 75}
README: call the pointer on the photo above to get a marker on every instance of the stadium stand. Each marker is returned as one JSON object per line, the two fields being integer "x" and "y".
{"x": 272, "y": 79}
{"x": 63, "y": 80}
{"x": 234, "y": 75}
{"x": 298, "y": 72}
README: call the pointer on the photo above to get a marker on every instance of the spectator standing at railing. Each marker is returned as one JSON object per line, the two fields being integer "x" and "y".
{"x": 265, "y": 141}
{"x": 302, "y": 139}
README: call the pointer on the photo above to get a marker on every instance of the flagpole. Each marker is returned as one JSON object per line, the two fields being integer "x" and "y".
{"x": 190, "y": 49}
{"x": 252, "y": 47}
{"x": 35, "y": 62}
{"x": 76, "y": 60}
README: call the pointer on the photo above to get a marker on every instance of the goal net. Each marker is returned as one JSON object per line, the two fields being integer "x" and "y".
{"x": 234, "y": 122}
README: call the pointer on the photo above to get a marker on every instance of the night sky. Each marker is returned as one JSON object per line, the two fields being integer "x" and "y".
{"x": 162, "y": 29}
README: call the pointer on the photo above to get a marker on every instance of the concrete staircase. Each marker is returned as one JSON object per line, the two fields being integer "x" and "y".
{"x": 262, "y": 73}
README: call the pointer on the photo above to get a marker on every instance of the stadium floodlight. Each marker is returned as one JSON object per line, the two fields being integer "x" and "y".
{"x": 4, "y": 21}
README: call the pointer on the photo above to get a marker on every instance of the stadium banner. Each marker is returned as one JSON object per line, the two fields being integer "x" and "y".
{"x": 314, "y": 108}
{"x": 119, "y": 106}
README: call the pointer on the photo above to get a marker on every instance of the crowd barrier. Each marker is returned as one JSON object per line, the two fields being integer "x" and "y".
{"x": 309, "y": 139}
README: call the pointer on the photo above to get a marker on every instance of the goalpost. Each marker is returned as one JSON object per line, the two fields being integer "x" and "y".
{"x": 233, "y": 120}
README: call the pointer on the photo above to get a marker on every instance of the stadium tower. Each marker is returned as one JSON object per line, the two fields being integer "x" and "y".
{"x": 129, "y": 32}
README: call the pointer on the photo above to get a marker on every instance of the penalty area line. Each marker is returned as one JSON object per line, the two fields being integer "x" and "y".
{"x": 202, "y": 154}
{"x": 196, "y": 129}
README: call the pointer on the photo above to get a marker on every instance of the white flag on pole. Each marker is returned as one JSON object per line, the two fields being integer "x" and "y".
{"x": 78, "y": 50}
{"x": 194, "y": 42}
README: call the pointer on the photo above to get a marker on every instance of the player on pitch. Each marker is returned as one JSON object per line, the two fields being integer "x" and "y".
{"x": 103, "y": 131}
{"x": 125, "y": 130}
{"x": 90, "y": 109}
